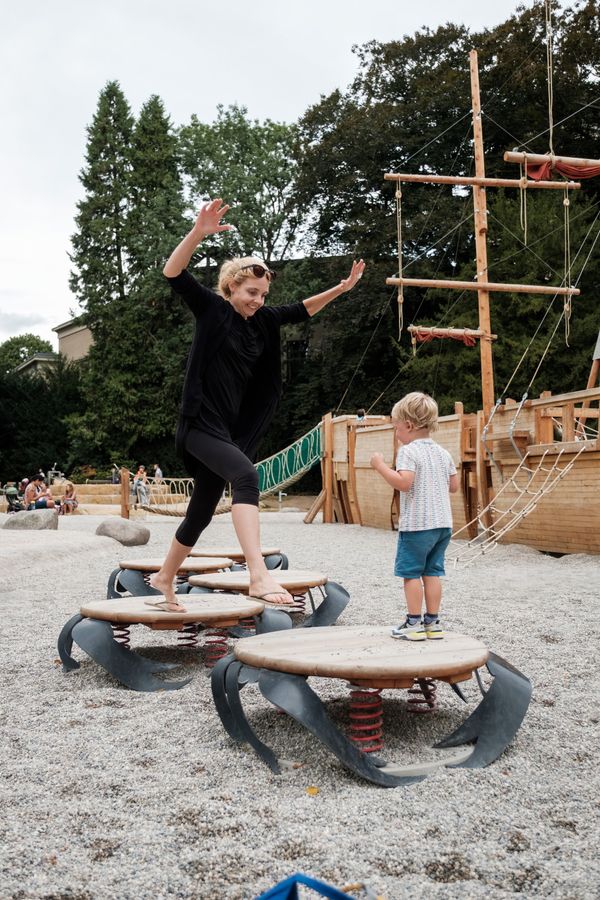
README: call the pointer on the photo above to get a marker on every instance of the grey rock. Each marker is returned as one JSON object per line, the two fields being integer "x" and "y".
{"x": 131, "y": 534}
{"x": 33, "y": 520}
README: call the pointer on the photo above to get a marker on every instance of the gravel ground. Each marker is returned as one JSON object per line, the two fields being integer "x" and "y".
{"x": 108, "y": 793}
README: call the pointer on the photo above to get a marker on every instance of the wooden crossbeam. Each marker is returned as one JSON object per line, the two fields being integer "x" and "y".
{"x": 451, "y": 332}
{"x": 482, "y": 182}
{"x": 538, "y": 159}
{"x": 492, "y": 287}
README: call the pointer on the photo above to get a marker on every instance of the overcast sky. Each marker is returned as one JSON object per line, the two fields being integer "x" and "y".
{"x": 274, "y": 57}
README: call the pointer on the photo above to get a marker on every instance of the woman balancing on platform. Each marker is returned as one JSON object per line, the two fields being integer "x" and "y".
{"x": 231, "y": 392}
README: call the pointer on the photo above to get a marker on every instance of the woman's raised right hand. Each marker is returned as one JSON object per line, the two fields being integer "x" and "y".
{"x": 209, "y": 218}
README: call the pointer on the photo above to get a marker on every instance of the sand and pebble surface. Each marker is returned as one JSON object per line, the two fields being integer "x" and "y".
{"x": 108, "y": 793}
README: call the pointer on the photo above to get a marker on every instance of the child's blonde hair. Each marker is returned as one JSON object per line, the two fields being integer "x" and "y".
{"x": 234, "y": 271}
{"x": 419, "y": 409}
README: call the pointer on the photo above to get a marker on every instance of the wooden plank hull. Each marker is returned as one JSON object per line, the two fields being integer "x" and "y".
{"x": 565, "y": 520}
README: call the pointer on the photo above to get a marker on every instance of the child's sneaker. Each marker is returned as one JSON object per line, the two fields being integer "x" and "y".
{"x": 433, "y": 630}
{"x": 409, "y": 632}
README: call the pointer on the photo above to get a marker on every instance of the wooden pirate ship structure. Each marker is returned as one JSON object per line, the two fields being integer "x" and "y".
{"x": 529, "y": 470}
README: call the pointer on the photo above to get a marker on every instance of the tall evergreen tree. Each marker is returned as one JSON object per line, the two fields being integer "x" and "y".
{"x": 134, "y": 370}
{"x": 99, "y": 247}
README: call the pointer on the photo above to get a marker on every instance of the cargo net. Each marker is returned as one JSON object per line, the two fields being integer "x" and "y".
{"x": 171, "y": 495}
{"x": 515, "y": 500}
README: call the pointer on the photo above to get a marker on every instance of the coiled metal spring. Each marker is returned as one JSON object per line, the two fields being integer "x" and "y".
{"x": 422, "y": 695}
{"x": 187, "y": 636}
{"x": 215, "y": 646}
{"x": 121, "y": 633}
{"x": 366, "y": 718}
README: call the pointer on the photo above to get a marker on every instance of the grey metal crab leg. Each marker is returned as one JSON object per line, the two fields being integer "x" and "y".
{"x": 65, "y": 644}
{"x": 292, "y": 694}
{"x": 498, "y": 717}
{"x": 335, "y": 602}
{"x": 277, "y": 561}
{"x": 96, "y": 638}
{"x": 241, "y": 729}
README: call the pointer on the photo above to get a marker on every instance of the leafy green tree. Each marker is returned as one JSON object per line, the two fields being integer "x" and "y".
{"x": 34, "y": 411}
{"x": 17, "y": 349}
{"x": 252, "y": 166}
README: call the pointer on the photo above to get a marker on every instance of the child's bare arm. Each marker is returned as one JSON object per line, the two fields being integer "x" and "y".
{"x": 400, "y": 481}
{"x": 453, "y": 484}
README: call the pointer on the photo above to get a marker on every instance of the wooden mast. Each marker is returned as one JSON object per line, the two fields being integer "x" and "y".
{"x": 481, "y": 227}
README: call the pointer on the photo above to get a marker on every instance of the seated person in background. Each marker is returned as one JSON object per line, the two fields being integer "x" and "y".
{"x": 32, "y": 490}
{"x": 140, "y": 486}
{"x": 158, "y": 475}
{"x": 38, "y": 495}
{"x": 44, "y": 499}
{"x": 68, "y": 501}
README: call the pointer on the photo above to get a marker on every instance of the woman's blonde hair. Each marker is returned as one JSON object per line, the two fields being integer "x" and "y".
{"x": 234, "y": 271}
{"x": 68, "y": 486}
{"x": 420, "y": 410}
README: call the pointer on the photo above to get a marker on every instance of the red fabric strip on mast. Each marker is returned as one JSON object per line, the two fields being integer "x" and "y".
{"x": 544, "y": 171}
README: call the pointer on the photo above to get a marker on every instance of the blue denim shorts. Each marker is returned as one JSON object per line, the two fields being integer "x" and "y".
{"x": 421, "y": 552}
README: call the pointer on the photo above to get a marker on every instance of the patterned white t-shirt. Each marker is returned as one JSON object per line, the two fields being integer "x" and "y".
{"x": 427, "y": 503}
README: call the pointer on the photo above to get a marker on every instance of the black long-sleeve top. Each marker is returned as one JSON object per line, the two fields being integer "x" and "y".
{"x": 232, "y": 384}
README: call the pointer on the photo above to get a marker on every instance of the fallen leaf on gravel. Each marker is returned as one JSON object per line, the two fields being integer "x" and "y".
{"x": 312, "y": 791}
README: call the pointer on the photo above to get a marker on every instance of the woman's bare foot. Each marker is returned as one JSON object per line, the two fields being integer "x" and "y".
{"x": 167, "y": 589}
{"x": 266, "y": 588}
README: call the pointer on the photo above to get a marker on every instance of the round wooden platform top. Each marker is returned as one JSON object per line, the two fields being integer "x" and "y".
{"x": 205, "y": 608}
{"x": 362, "y": 653}
{"x": 153, "y": 564}
{"x": 290, "y": 579}
{"x": 235, "y": 553}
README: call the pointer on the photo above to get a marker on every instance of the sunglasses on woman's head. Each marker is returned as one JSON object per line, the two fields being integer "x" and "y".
{"x": 260, "y": 271}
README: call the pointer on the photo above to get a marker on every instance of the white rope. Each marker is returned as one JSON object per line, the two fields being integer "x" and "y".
{"x": 507, "y": 519}
{"x": 550, "y": 67}
{"x": 567, "y": 276}
{"x": 523, "y": 203}
{"x": 400, "y": 286}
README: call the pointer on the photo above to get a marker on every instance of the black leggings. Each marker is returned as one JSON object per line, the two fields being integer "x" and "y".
{"x": 218, "y": 462}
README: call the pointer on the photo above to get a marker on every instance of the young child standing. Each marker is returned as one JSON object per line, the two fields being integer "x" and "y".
{"x": 425, "y": 475}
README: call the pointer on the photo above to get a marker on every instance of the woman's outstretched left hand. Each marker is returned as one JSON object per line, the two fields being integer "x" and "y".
{"x": 355, "y": 275}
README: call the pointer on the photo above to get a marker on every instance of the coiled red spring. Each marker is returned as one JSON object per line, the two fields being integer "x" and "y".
{"x": 215, "y": 646}
{"x": 187, "y": 636}
{"x": 366, "y": 718}
{"x": 248, "y": 625}
{"x": 299, "y": 605}
{"x": 421, "y": 696}
{"x": 121, "y": 633}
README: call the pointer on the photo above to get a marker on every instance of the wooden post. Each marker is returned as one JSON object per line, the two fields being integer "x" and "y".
{"x": 352, "y": 495}
{"x": 483, "y": 494}
{"x": 328, "y": 467}
{"x": 124, "y": 493}
{"x": 481, "y": 227}
{"x": 592, "y": 381}
{"x": 544, "y": 428}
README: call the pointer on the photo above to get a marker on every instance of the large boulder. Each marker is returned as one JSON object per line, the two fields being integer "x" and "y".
{"x": 131, "y": 534}
{"x": 35, "y": 519}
